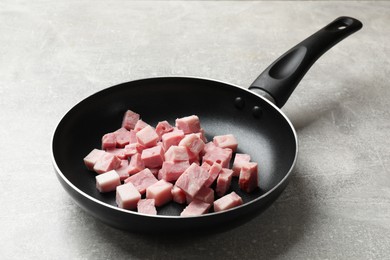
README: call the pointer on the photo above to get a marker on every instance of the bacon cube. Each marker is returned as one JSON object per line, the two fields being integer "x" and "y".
{"x": 136, "y": 164}
{"x": 153, "y": 157}
{"x": 147, "y": 136}
{"x": 226, "y": 141}
{"x": 92, "y": 158}
{"x": 239, "y": 160}
{"x": 193, "y": 143}
{"x": 248, "y": 179}
{"x": 178, "y": 195}
{"x": 192, "y": 180}
{"x": 176, "y": 154}
{"x": 109, "y": 141}
{"x": 228, "y": 201}
{"x": 205, "y": 194}
{"x": 130, "y": 149}
{"x": 172, "y": 138}
{"x": 106, "y": 163}
{"x": 118, "y": 152}
{"x": 171, "y": 171}
{"x": 108, "y": 181}
{"x": 127, "y": 196}
{"x": 163, "y": 127}
{"x": 146, "y": 206}
{"x": 140, "y": 125}
{"x": 142, "y": 180}
{"x": 122, "y": 137}
{"x": 195, "y": 208}
{"x": 189, "y": 124}
{"x": 130, "y": 119}
{"x": 214, "y": 171}
{"x": 122, "y": 170}
{"x": 223, "y": 182}
{"x": 218, "y": 155}
{"x": 160, "y": 192}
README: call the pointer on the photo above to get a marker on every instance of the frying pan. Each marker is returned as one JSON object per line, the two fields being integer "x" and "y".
{"x": 252, "y": 115}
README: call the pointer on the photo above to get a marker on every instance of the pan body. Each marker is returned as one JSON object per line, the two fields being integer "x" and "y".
{"x": 263, "y": 132}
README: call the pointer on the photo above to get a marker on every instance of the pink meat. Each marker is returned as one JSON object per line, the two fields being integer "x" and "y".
{"x": 118, "y": 152}
{"x": 176, "y": 154}
{"x": 108, "y": 181}
{"x": 122, "y": 137}
{"x": 171, "y": 171}
{"x": 248, "y": 180}
{"x": 193, "y": 143}
{"x": 226, "y": 141}
{"x": 160, "y": 192}
{"x": 136, "y": 164}
{"x": 218, "y": 155}
{"x": 205, "y": 194}
{"x": 189, "y": 124}
{"x": 192, "y": 180}
{"x": 147, "y": 136}
{"x": 224, "y": 181}
{"x": 214, "y": 171}
{"x": 172, "y": 138}
{"x": 109, "y": 141}
{"x": 154, "y": 171}
{"x": 208, "y": 147}
{"x": 92, "y": 158}
{"x": 133, "y": 137}
{"x": 146, "y": 206}
{"x": 130, "y": 149}
{"x": 106, "y": 163}
{"x": 178, "y": 195}
{"x": 163, "y": 128}
{"x": 153, "y": 157}
{"x": 228, "y": 201}
{"x": 142, "y": 180}
{"x": 130, "y": 119}
{"x": 127, "y": 196}
{"x": 122, "y": 170}
{"x": 140, "y": 125}
{"x": 195, "y": 208}
{"x": 205, "y": 166}
{"x": 239, "y": 160}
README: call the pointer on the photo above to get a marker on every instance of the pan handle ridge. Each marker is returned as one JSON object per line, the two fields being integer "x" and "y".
{"x": 283, "y": 75}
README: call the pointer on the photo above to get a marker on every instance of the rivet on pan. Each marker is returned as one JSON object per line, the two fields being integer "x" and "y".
{"x": 239, "y": 102}
{"x": 257, "y": 112}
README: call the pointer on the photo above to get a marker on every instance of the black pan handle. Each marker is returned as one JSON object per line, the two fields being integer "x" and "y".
{"x": 279, "y": 80}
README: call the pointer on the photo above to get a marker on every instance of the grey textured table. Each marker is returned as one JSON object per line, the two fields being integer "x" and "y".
{"x": 53, "y": 54}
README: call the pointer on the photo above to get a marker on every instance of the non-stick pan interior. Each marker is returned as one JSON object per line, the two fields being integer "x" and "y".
{"x": 268, "y": 137}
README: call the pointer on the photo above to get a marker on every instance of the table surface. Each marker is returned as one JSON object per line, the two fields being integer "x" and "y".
{"x": 53, "y": 54}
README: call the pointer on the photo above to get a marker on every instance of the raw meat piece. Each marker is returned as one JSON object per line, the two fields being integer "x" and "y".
{"x": 176, "y": 154}
{"x": 130, "y": 149}
{"x": 122, "y": 137}
{"x": 189, "y": 124}
{"x": 239, "y": 160}
{"x": 163, "y": 128}
{"x": 136, "y": 164}
{"x": 218, "y": 155}
{"x": 195, "y": 208}
{"x": 208, "y": 147}
{"x": 153, "y": 157}
{"x": 92, "y": 158}
{"x": 178, "y": 195}
{"x": 147, "y": 136}
{"x": 127, "y": 196}
{"x": 226, "y": 141}
{"x": 248, "y": 179}
{"x": 171, "y": 171}
{"x": 140, "y": 125}
{"x": 223, "y": 182}
{"x": 172, "y": 138}
{"x": 146, "y": 206}
{"x": 205, "y": 166}
{"x": 133, "y": 137}
{"x": 160, "y": 192}
{"x": 130, "y": 119}
{"x": 213, "y": 172}
{"x": 205, "y": 194}
{"x": 142, "y": 180}
{"x": 192, "y": 180}
{"x": 193, "y": 143}
{"x": 108, "y": 181}
{"x": 122, "y": 170}
{"x": 106, "y": 163}
{"x": 155, "y": 171}
{"x": 119, "y": 152}
{"x": 228, "y": 201}
{"x": 109, "y": 141}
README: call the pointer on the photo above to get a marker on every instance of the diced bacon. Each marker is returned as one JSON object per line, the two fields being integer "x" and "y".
{"x": 140, "y": 125}
{"x": 178, "y": 195}
{"x": 92, "y": 158}
{"x": 205, "y": 194}
{"x": 127, "y": 196}
{"x": 106, "y": 163}
{"x": 122, "y": 137}
{"x": 108, "y": 181}
{"x": 228, "y": 201}
{"x": 176, "y": 154}
{"x": 205, "y": 166}
{"x": 239, "y": 160}
{"x": 147, "y": 136}
{"x": 172, "y": 138}
{"x": 142, "y": 180}
{"x": 208, "y": 147}
{"x": 154, "y": 171}
{"x": 153, "y": 157}
{"x": 160, "y": 174}
{"x": 213, "y": 172}
{"x": 171, "y": 171}
{"x": 223, "y": 181}
{"x": 140, "y": 148}
{"x": 109, "y": 141}
{"x": 130, "y": 119}
{"x": 119, "y": 152}
{"x": 218, "y": 155}
{"x": 163, "y": 128}
{"x": 130, "y": 149}
{"x": 193, "y": 143}
{"x": 193, "y": 158}
{"x": 195, "y": 208}
{"x": 248, "y": 179}
{"x": 133, "y": 137}
{"x": 146, "y": 206}
{"x": 192, "y": 180}
{"x": 189, "y": 124}
{"x": 122, "y": 170}
{"x": 136, "y": 164}
{"x": 226, "y": 141}
{"x": 160, "y": 192}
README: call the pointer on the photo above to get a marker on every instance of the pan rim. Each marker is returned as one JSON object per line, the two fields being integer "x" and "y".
{"x": 104, "y": 204}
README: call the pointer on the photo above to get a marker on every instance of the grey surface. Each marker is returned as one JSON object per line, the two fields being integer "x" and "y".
{"x": 54, "y": 54}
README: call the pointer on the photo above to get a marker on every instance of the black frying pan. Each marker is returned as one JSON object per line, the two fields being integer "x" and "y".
{"x": 253, "y": 116}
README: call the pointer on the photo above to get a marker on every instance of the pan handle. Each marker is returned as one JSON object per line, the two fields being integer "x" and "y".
{"x": 279, "y": 80}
